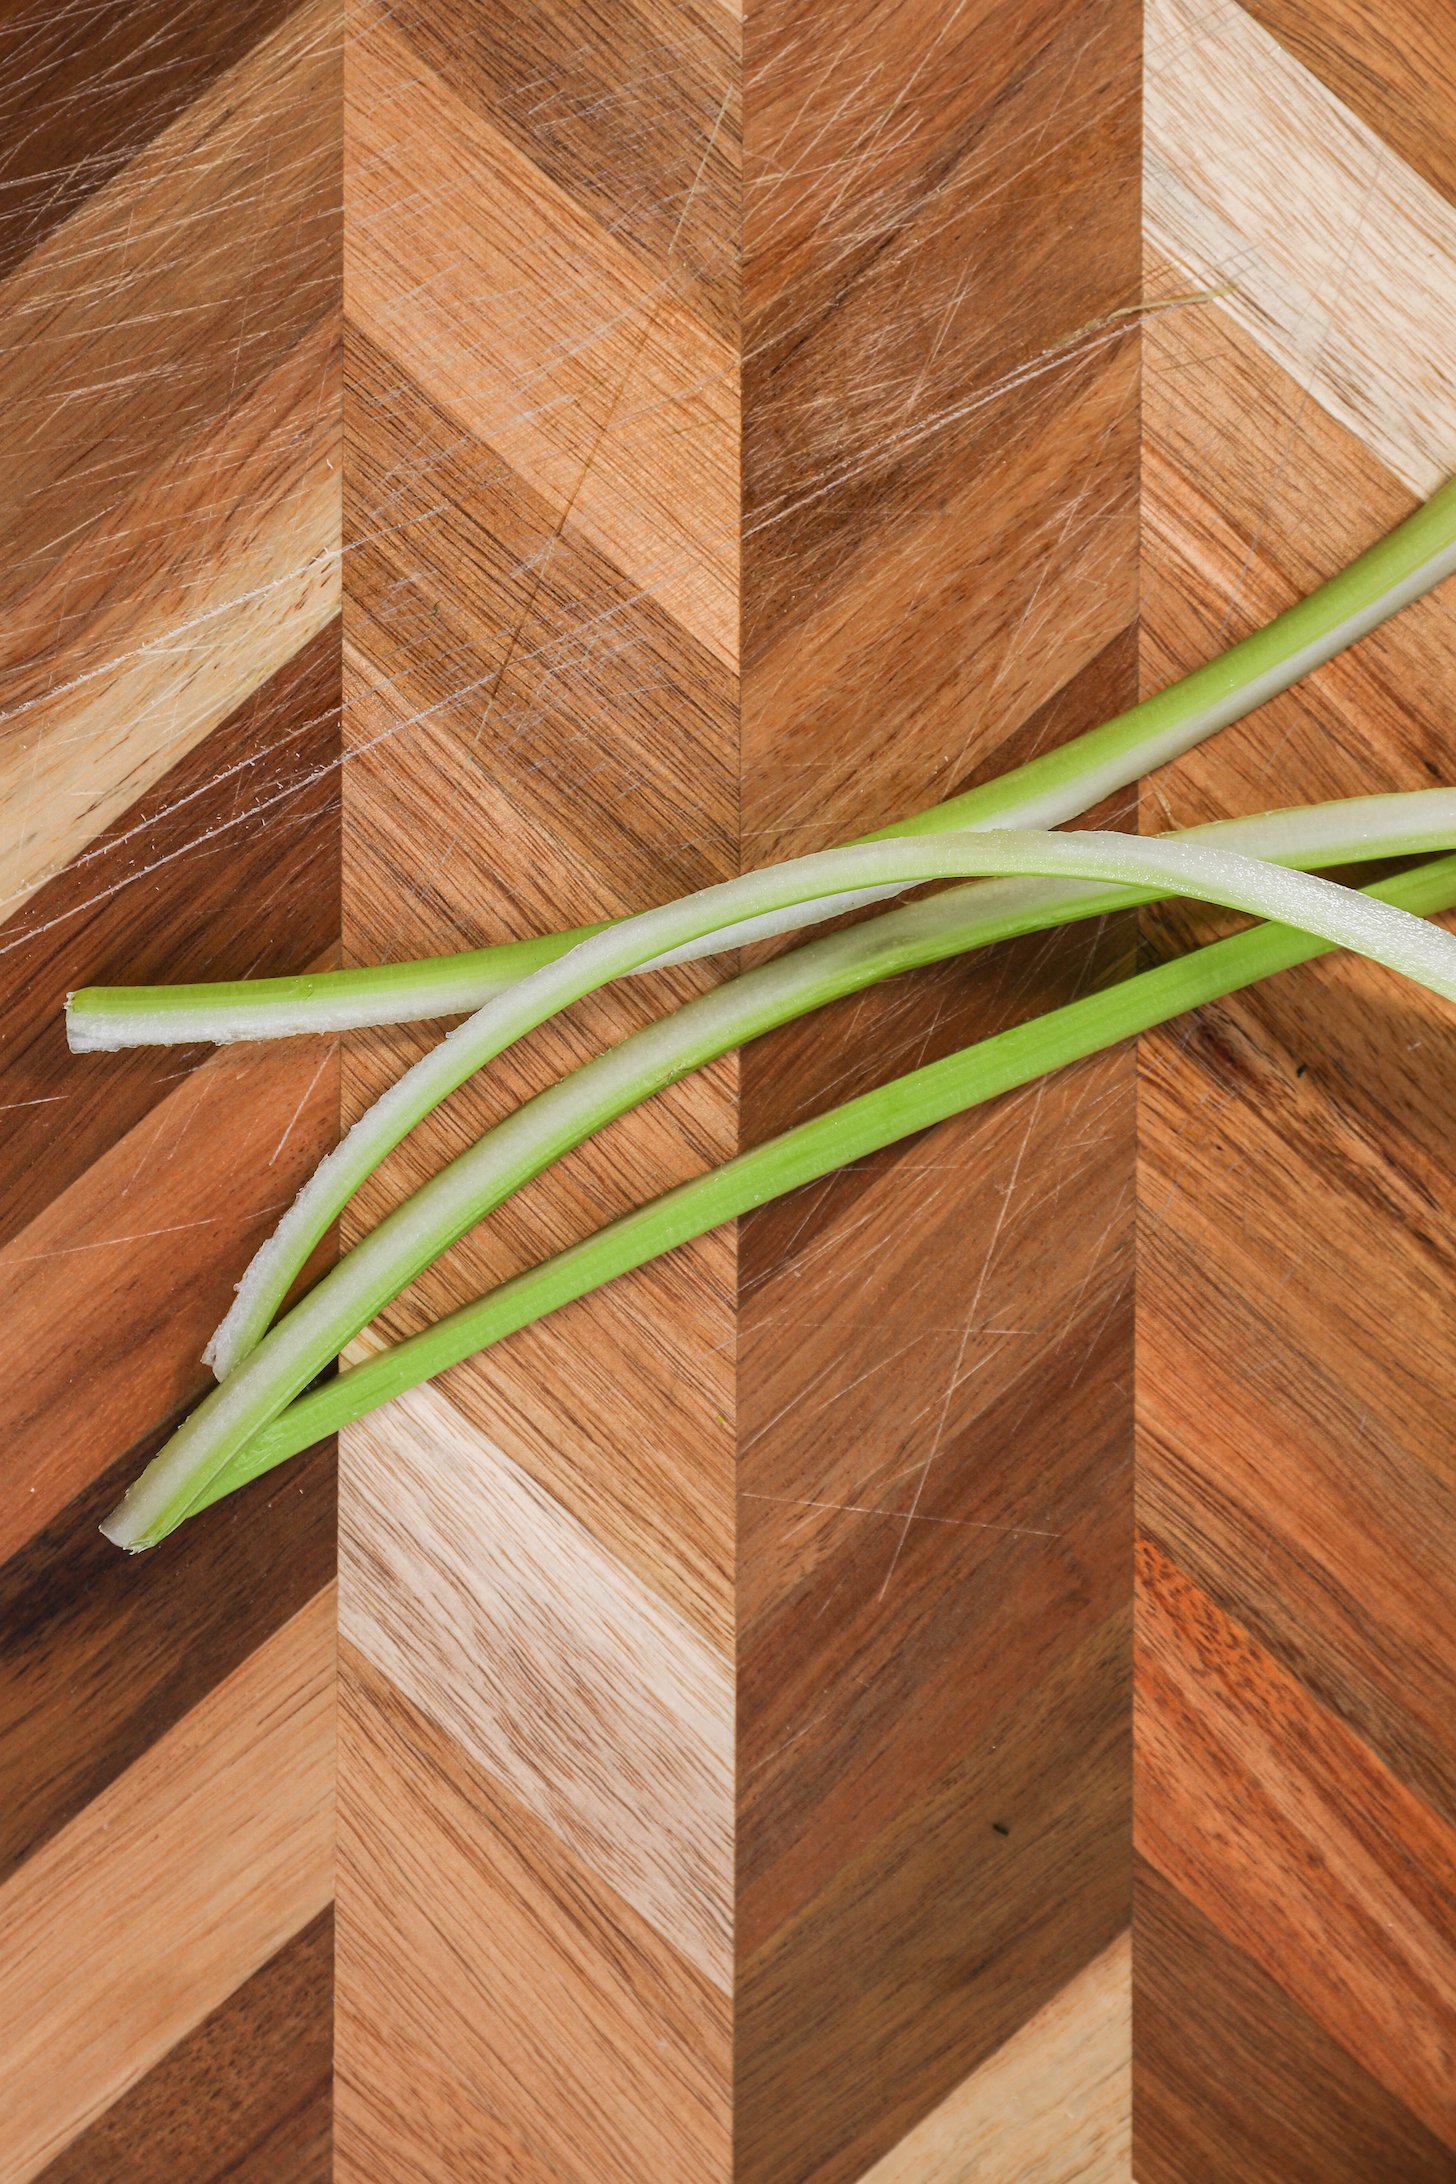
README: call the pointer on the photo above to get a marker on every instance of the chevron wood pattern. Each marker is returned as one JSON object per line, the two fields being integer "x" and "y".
{"x": 466, "y": 475}
{"x": 1294, "y": 2013}
{"x": 536, "y": 1557}
{"x": 169, "y": 743}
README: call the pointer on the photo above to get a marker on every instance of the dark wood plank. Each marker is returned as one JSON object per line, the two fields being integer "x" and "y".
{"x": 1234, "y": 2084}
{"x": 101, "y": 1653}
{"x": 960, "y": 1837}
{"x": 228, "y": 868}
{"x": 246, "y": 2099}
{"x": 83, "y": 89}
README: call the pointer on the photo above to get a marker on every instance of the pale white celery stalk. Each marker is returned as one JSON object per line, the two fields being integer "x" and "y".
{"x": 317, "y": 1328}
{"x": 1417, "y": 555}
{"x": 1356, "y": 829}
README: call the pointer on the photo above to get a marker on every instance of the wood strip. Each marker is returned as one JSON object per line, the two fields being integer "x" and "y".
{"x": 82, "y": 91}
{"x": 540, "y": 1657}
{"x": 228, "y": 867}
{"x": 168, "y": 1891}
{"x": 248, "y": 2097}
{"x": 1338, "y": 259}
{"x": 1284, "y": 1830}
{"x": 1232, "y": 2080}
{"x": 1050, "y": 2107}
{"x": 502, "y": 2013}
{"x": 541, "y": 517}
{"x": 594, "y": 381}
{"x": 1295, "y": 1181}
{"x": 940, "y": 479}
{"x": 169, "y": 747}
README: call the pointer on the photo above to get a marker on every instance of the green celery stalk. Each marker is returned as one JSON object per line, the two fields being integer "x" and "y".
{"x": 1413, "y": 558}
{"x": 862, "y": 1126}
{"x": 1338, "y": 833}
{"x": 317, "y": 1328}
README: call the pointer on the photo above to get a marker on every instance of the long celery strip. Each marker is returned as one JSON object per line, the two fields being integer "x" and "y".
{"x": 454, "y": 1200}
{"x": 1357, "y": 828}
{"x": 862, "y": 1126}
{"x": 1410, "y": 561}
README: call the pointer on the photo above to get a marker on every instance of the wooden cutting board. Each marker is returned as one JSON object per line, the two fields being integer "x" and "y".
{"x": 472, "y": 474}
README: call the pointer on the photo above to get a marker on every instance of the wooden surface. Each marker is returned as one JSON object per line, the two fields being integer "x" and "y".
{"x": 1296, "y": 1337}
{"x": 169, "y": 739}
{"x": 934, "y": 1380}
{"x": 541, "y": 527}
{"x": 740, "y": 431}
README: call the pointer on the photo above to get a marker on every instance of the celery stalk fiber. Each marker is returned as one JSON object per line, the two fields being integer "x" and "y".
{"x": 317, "y": 1328}
{"x": 862, "y": 1126}
{"x": 1357, "y": 828}
{"x": 1413, "y": 558}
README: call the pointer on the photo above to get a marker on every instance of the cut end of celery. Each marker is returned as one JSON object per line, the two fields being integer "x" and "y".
{"x": 120, "y": 1528}
{"x": 83, "y": 1036}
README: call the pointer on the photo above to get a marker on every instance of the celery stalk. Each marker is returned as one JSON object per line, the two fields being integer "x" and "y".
{"x": 1410, "y": 561}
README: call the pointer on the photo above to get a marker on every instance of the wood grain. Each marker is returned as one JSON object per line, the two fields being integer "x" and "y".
{"x": 85, "y": 91}
{"x": 737, "y": 1748}
{"x": 1337, "y": 257}
{"x": 1048, "y": 2107}
{"x": 502, "y": 2012}
{"x": 1394, "y": 68}
{"x": 541, "y": 527}
{"x": 124, "y": 663}
{"x": 162, "y": 1220}
{"x": 169, "y": 747}
{"x": 587, "y": 384}
{"x": 247, "y": 2097}
{"x": 540, "y": 1654}
{"x": 171, "y": 528}
{"x": 1292, "y": 2012}
{"x": 188, "y": 1872}
{"x": 251, "y": 815}
{"x": 939, "y": 563}
{"x": 1233, "y": 2080}
{"x": 1309, "y": 1856}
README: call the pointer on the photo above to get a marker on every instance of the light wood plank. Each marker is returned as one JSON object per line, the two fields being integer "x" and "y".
{"x": 168, "y": 1891}
{"x": 1338, "y": 258}
{"x": 1052, "y": 2106}
{"x": 502, "y": 1618}
{"x": 502, "y": 2013}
